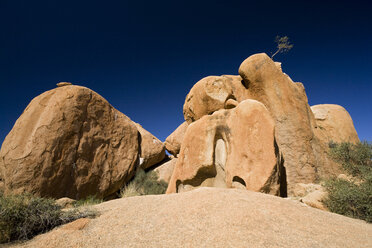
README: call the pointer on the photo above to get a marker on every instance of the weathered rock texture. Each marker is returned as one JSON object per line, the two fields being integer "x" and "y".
{"x": 209, "y": 217}
{"x": 165, "y": 170}
{"x": 315, "y": 199}
{"x": 296, "y": 129}
{"x": 310, "y": 194}
{"x": 211, "y": 94}
{"x": 227, "y": 147}
{"x": 70, "y": 142}
{"x": 152, "y": 150}
{"x": 174, "y": 140}
{"x": 334, "y": 124}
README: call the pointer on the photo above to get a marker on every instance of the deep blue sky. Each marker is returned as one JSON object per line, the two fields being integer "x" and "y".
{"x": 144, "y": 56}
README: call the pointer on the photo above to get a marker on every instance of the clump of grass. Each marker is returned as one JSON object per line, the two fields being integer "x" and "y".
{"x": 24, "y": 216}
{"x": 129, "y": 191}
{"x": 144, "y": 184}
{"x": 353, "y": 197}
{"x": 90, "y": 200}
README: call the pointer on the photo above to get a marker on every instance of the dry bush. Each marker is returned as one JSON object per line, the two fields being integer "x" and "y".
{"x": 24, "y": 216}
{"x": 144, "y": 184}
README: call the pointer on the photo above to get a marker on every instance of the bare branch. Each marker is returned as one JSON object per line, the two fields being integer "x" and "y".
{"x": 283, "y": 46}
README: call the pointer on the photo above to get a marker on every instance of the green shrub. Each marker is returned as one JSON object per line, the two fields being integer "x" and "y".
{"x": 90, "y": 200}
{"x": 352, "y": 198}
{"x": 24, "y": 216}
{"x": 349, "y": 199}
{"x": 356, "y": 159}
{"x": 144, "y": 184}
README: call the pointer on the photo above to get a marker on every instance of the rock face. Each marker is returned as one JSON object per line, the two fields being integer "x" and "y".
{"x": 287, "y": 103}
{"x": 152, "y": 150}
{"x": 174, "y": 140}
{"x": 230, "y": 147}
{"x": 209, "y": 217}
{"x": 70, "y": 142}
{"x": 334, "y": 124}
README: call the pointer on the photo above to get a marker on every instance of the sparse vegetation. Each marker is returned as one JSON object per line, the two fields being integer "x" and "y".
{"x": 352, "y": 197}
{"x": 356, "y": 159}
{"x": 144, "y": 184}
{"x": 90, "y": 200}
{"x": 129, "y": 191}
{"x": 24, "y": 216}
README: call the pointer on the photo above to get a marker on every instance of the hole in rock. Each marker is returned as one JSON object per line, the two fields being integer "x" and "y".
{"x": 246, "y": 85}
{"x": 238, "y": 183}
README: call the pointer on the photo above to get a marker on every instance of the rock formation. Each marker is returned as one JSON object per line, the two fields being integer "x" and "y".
{"x": 297, "y": 133}
{"x": 70, "y": 142}
{"x": 255, "y": 130}
{"x": 230, "y": 147}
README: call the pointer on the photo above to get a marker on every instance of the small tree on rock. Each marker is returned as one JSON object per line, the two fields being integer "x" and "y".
{"x": 283, "y": 45}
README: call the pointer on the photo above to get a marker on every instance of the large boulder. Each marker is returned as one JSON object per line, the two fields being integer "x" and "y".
{"x": 287, "y": 103}
{"x": 334, "y": 124}
{"x": 152, "y": 150}
{"x": 230, "y": 147}
{"x": 211, "y": 94}
{"x": 305, "y": 154}
{"x": 174, "y": 140}
{"x": 69, "y": 142}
